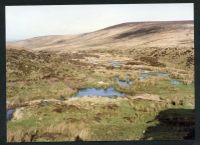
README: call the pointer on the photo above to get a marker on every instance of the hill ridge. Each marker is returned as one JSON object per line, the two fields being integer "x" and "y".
{"x": 129, "y": 34}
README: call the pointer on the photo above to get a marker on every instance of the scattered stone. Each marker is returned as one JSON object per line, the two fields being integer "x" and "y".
{"x": 149, "y": 97}
{"x": 102, "y": 83}
{"x": 18, "y": 114}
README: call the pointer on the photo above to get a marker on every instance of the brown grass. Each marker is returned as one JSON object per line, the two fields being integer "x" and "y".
{"x": 64, "y": 131}
{"x": 21, "y": 136}
{"x": 71, "y": 131}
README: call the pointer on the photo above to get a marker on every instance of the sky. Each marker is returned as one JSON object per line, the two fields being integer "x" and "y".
{"x": 24, "y": 22}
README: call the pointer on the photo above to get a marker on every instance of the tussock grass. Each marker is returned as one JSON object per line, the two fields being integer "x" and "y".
{"x": 71, "y": 131}
{"x": 50, "y": 76}
{"x": 20, "y": 136}
{"x": 62, "y": 131}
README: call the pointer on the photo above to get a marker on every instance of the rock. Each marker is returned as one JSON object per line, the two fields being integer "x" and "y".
{"x": 18, "y": 114}
{"x": 102, "y": 83}
{"x": 150, "y": 97}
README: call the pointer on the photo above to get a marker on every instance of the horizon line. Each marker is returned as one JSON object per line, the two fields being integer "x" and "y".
{"x": 110, "y": 26}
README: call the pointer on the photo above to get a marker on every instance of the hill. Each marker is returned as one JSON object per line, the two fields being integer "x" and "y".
{"x": 125, "y": 35}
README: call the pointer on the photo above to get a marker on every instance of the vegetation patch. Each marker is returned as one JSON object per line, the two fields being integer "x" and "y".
{"x": 43, "y": 83}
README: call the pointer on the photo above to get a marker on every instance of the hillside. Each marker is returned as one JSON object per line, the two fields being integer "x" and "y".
{"x": 125, "y": 35}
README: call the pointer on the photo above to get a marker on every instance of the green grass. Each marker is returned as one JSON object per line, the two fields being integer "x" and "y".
{"x": 126, "y": 122}
{"x": 43, "y": 89}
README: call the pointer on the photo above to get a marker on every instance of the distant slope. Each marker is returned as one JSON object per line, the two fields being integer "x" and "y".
{"x": 132, "y": 34}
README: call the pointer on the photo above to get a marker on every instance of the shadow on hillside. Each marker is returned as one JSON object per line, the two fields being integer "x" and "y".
{"x": 138, "y": 33}
{"x": 173, "y": 124}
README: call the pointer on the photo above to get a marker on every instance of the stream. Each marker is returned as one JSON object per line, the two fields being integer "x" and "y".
{"x": 9, "y": 114}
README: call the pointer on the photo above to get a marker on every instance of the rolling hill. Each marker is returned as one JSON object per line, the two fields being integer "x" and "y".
{"x": 126, "y": 35}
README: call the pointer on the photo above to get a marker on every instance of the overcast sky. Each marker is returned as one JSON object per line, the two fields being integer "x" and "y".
{"x": 31, "y": 21}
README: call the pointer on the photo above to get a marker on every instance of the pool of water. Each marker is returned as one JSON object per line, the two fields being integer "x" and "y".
{"x": 176, "y": 82}
{"x": 124, "y": 83}
{"x": 109, "y": 92}
{"x": 145, "y": 75}
{"x": 9, "y": 114}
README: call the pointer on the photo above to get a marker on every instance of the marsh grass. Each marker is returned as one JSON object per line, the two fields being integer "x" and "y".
{"x": 45, "y": 75}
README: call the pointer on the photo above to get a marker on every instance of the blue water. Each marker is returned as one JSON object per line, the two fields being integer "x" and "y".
{"x": 124, "y": 83}
{"x": 109, "y": 92}
{"x": 9, "y": 114}
{"x": 175, "y": 82}
{"x": 145, "y": 75}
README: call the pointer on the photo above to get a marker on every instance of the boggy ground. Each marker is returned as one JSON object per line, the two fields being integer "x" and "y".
{"x": 40, "y": 86}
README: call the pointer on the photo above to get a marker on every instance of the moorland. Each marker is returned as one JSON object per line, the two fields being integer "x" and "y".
{"x": 131, "y": 81}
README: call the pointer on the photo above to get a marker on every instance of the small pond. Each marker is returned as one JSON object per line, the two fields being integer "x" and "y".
{"x": 124, "y": 83}
{"x": 9, "y": 114}
{"x": 108, "y": 92}
{"x": 145, "y": 75}
{"x": 176, "y": 82}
